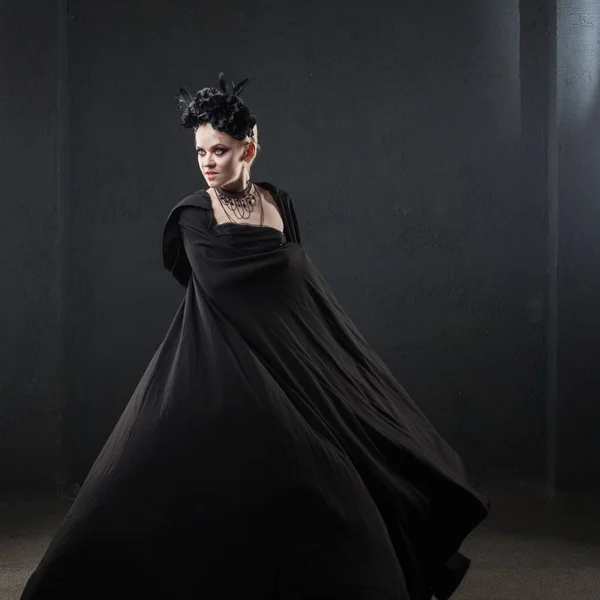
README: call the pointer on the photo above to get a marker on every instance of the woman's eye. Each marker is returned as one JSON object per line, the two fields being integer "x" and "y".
{"x": 218, "y": 152}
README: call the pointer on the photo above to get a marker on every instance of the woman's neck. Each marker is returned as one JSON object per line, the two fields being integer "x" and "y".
{"x": 236, "y": 186}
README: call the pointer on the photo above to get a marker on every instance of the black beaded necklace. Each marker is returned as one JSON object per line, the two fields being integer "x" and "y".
{"x": 241, "y": 204}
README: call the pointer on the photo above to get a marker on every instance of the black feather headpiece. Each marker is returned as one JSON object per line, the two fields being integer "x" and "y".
{"x": 223, "y": 109}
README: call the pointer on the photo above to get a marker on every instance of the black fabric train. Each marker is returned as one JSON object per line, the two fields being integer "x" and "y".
{"x": 267, "y": 452}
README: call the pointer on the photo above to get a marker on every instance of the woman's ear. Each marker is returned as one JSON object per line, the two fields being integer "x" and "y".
{"x": 250, "y": 151}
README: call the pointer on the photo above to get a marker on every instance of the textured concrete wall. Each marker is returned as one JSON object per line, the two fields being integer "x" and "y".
{"x": 399, "y": 139}
{"x": 579, "y": 258}
{"x": 29, "y": 321}
{"x": 415, "y": 149}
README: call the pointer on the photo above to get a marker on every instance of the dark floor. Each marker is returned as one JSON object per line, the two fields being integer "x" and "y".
{"x": 530, "y": 548}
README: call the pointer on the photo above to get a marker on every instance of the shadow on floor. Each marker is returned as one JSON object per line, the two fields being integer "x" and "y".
{"x": 531, "y": 547}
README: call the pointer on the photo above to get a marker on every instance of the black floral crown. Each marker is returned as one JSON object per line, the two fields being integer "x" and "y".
{"x": 223, "y": 109}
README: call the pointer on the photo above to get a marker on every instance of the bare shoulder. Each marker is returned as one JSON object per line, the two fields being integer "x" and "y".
{"x": 273, "y": 217}
{"x": 265, "y": 194}
{"x": 282, "y": 199}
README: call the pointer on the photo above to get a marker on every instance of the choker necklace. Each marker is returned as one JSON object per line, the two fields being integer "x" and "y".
{"x": 241, "y": 204}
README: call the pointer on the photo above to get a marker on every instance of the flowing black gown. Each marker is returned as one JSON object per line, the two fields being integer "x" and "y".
{"x": 267, "y": 452}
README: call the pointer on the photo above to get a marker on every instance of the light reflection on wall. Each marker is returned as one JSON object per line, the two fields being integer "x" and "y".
{"x": 578, "y": 60}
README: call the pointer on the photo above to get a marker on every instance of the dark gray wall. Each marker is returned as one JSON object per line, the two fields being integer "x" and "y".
{"x": 415, "y": 148}
{"x": 579, "y": 258}
{"x": 29, "y": 248}
{"x": 399, "y": 140}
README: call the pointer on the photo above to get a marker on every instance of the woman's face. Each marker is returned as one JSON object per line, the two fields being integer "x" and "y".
{"x": 221, "y": 154}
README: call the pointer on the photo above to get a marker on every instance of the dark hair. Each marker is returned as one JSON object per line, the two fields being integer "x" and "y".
{"x": 225, "y": 111}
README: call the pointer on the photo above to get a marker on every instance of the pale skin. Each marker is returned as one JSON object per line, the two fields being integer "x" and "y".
{"x": 231, "y": 159}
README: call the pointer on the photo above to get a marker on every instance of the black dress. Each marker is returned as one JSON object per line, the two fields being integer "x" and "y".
{"x": 267, "y": 452}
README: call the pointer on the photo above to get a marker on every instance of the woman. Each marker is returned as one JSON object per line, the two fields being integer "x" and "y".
{"x": 267, "y": 452}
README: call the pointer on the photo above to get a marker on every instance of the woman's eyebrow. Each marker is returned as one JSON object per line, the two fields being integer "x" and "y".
{"x": 200, "y": 147}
